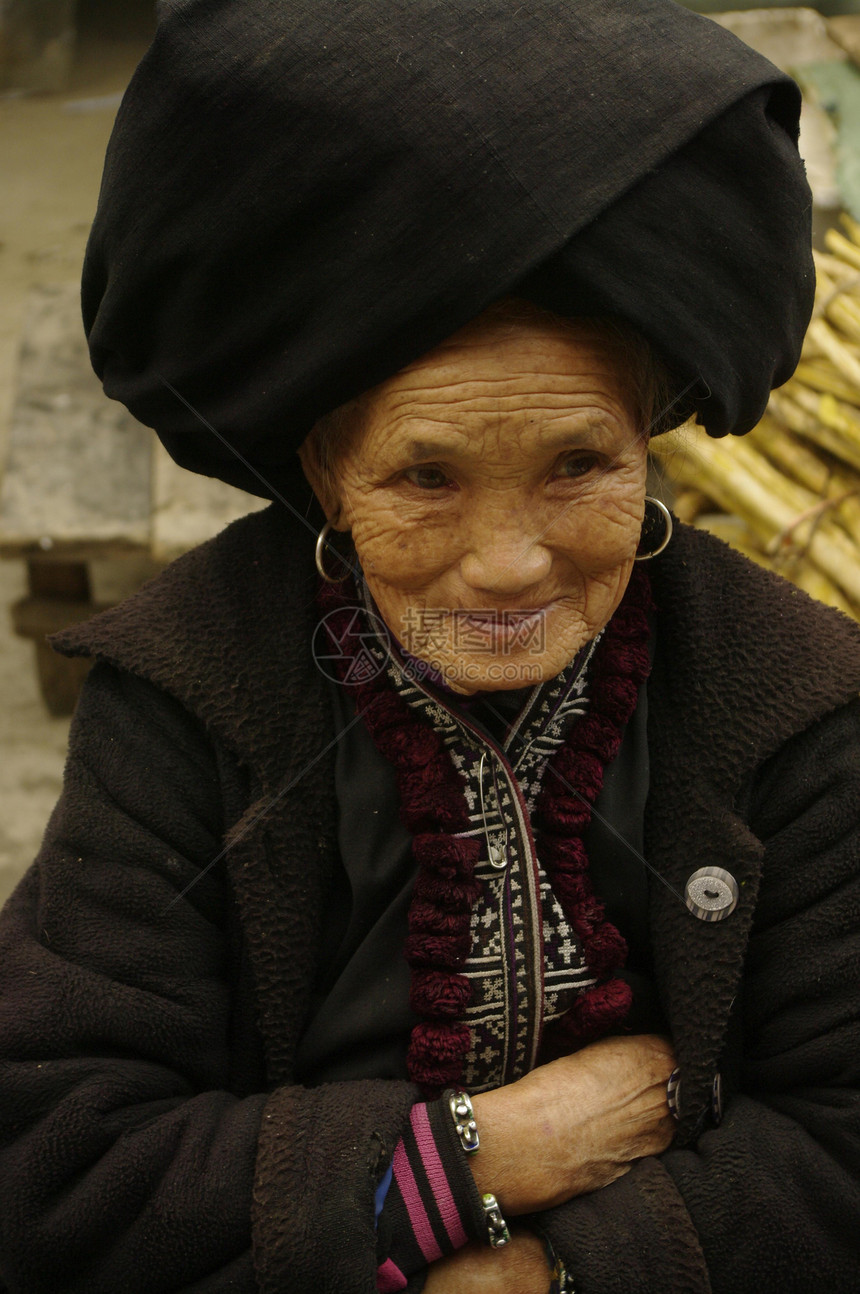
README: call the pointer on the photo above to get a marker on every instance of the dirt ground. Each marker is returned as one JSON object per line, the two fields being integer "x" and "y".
{"x": 51, "y": 152}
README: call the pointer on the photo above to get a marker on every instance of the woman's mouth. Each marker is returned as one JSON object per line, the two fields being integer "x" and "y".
{"x": 500, "y": 630}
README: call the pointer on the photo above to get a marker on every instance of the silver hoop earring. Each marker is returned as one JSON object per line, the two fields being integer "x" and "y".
{"x": 656, "y": 530}
{"x": 322, "y": 540}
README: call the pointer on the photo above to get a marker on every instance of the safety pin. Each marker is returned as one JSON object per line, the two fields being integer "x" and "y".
{"x": 498, "y": 857}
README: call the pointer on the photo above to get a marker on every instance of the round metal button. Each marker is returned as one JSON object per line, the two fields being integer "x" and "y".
{"x": 717, "y": 1099}
{"x": 711, "y": 894}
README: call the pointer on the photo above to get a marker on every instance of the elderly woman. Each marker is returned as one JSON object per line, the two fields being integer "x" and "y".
{"x": 456, "y": 877}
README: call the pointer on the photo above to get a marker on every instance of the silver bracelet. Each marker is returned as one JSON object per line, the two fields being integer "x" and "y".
{"x": 464, "y": 1121}
{"x": 467, "y": 1131}
{"x": 497, "y": 1228}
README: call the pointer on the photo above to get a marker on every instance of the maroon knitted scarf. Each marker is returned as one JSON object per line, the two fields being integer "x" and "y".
{"x": 433, "y": 809}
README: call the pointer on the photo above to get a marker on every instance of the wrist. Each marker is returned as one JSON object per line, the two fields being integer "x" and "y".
{"x": 530, "y": 1264}
{"x": 521, "y": 1266}
{"x": 506, "y": 1163}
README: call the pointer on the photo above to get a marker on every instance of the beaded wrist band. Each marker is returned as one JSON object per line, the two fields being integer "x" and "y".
{"x": 466, "y": 1128}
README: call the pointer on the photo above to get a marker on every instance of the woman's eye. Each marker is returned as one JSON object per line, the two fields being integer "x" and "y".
{"x": 577, "y": 465}
{"x": 427, "y": 478}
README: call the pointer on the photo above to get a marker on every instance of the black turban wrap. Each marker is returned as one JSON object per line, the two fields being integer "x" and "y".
{"x": 302, "y": 196}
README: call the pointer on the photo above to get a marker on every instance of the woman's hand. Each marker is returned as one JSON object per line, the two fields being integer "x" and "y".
{"x": 520, "y": 1267}
{"x": 575, "y": 1124}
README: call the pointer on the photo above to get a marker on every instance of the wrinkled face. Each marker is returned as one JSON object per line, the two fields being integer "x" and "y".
{"x": 495, "y": 494}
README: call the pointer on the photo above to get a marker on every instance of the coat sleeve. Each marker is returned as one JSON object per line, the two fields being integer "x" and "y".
{"x": 131, "y": 1099}
{"x": 769, "y": 1201}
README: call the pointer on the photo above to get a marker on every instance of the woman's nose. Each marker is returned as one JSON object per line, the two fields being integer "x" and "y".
{"x": 504, "y": 558}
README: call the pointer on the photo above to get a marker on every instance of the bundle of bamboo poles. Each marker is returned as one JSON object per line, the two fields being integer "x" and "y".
{"x": 788, "y": 494}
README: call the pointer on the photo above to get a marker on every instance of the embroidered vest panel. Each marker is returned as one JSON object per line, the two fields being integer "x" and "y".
{"x": 525, "y": 964}
{"x": 489, "y": 930}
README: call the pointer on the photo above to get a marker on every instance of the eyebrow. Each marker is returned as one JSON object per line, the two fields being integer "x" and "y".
{"x": 589, "y": 436}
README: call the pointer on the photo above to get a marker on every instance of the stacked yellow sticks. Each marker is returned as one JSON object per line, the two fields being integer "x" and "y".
{"x": 788, "y": 494}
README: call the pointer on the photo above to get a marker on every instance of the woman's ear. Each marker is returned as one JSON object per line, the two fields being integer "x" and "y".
{"x": 322, "y": 481}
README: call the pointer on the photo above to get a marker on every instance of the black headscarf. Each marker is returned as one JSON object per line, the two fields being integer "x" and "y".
{"x": 300, "y": 197}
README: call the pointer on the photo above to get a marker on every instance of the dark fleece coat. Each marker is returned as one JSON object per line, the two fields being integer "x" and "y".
{"x": 157, "y": 960}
